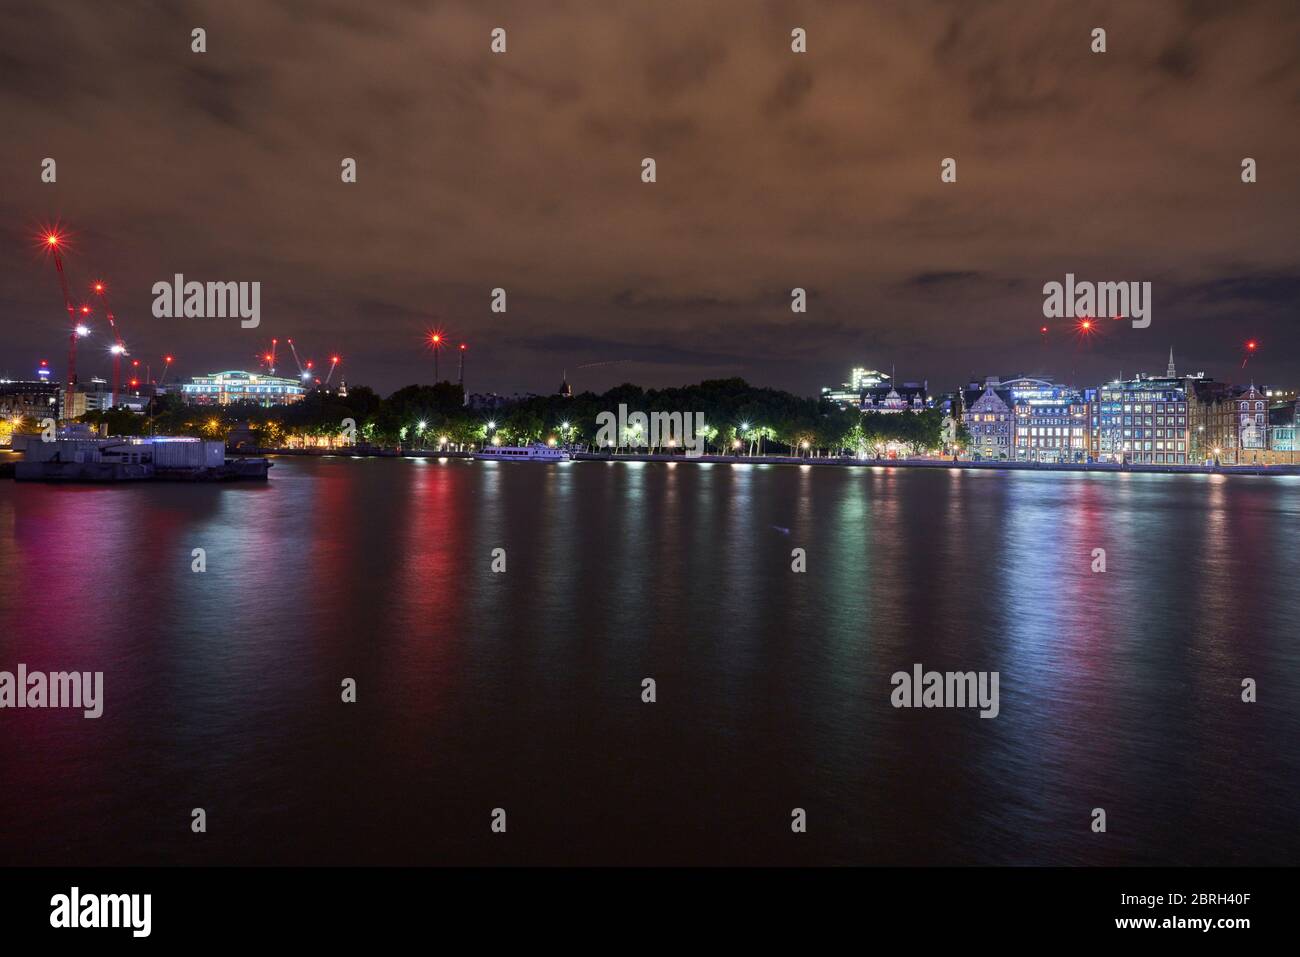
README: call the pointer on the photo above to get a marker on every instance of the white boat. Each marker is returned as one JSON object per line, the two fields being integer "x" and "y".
{"x": 522, "y": 453}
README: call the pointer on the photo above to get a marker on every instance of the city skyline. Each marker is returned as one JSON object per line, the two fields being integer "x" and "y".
{"x": 521, "y": 171}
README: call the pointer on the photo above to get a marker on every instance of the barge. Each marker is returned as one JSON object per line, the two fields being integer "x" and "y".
{"x": 88, "y": 458}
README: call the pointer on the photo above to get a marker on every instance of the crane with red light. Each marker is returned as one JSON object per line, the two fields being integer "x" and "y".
{"x": 304, "y": 371}
{"x": 118, "y": 349}
{"x": 268, "y": 358}
{"x": 54, "y": 244}
{"x": 435, "y": 339}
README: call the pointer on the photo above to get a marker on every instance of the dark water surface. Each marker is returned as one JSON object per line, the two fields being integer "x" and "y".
{"x": 522, "y": 690}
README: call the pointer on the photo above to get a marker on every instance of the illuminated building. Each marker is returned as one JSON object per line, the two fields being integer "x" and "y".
{"x": 989, "y": 419}
{"x": 1232, "y": 419}
{"x": 1251, "y": 420}
{"x": 1050, "y": 424}
{"x": 853, "y": 392}
{"x": 30, "y": 398}
{"x": 1143, "y": 421}
{"x": 224, "y": 388}
{"x": 910, "y": 396}
{"x": 1282, "y": 431}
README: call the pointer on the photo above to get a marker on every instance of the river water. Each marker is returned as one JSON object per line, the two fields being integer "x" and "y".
{"x": 522, "y": 689}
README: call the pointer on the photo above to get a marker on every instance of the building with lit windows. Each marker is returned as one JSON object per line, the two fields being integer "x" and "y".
{"x": 989, "y": 420}
{"x": 1251, "y": 421}
{"x": 1282, "y": 438}
{"x": 852, "y": 393}
{"x": 1142, "y": 421}
{"x": 908, "y": 397}
{"x": 225, "y": 388}
{"x": 1050, "y": 424}
{"x": 1230, "y": 423}
{"x": 30, "y": 398}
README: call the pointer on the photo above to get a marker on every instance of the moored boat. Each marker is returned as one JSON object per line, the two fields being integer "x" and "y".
{"x": 522, "y": 453}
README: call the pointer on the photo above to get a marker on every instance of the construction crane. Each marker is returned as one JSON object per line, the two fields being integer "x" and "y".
{"x": 118, "y": 348}
{"x": 334, "y": 364}
{"x": 54, "y": 245}
{"x": 304, "y": 372}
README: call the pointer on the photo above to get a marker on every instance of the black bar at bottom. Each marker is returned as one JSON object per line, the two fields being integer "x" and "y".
{"x": 535, "y": 906}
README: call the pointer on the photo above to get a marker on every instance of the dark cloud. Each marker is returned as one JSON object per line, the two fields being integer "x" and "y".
{"x": 775, "y": 170}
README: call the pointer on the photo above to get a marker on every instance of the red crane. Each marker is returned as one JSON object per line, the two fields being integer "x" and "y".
{"x": 54, "y": 245}
{"x": 119, "y": 347}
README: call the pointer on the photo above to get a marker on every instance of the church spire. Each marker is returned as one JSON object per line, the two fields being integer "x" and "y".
{"x": 1170, "y": 371}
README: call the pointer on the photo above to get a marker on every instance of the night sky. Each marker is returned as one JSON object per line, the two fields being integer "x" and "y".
{"x": 775, "y": 170}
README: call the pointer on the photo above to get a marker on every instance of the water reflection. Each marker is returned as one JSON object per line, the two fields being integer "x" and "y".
{"x": 523, "y": 688}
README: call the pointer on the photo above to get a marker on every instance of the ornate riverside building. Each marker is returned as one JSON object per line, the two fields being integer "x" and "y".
{"x": 1230, "y": 423}
{"x": 990, "y": 420}
{"x": 1251, "y": 421}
